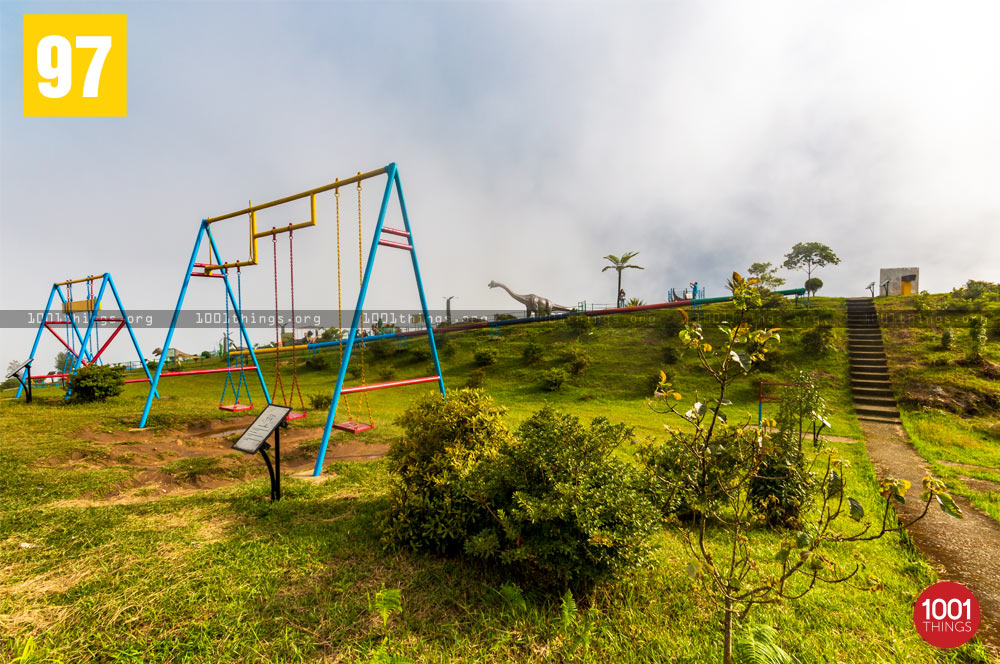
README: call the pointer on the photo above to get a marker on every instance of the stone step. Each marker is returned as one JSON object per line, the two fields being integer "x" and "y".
{"x": 880, "y": 420}
{"x": 877, "y": 411}
{"x": 865, "y": 354}
{"x": 882, "y": 391}
{"x": 861, "y": 344}
{"x": 866, "y": 365}
{"x": 871, "y": 384}
{"x": 883, "y": 402}
{"x": 869, "y": 373}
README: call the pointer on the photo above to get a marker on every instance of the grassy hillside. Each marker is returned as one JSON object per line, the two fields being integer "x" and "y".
{"x": 950, "y": 404}
{"x": 129, "y": 546}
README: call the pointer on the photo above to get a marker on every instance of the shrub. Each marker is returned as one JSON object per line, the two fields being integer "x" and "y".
{"x": 533, "y": 353}
{"x": 319, "y": 362}
{"x": 818, "y": 340}
{"x": 670, "y": 354}
{"x": 485, "y": 356}
{"x": 567, "y": 510}
{"x": 553, "y": 379}
{"x": 977, "y": 337}
{"x": 672, "y": 325}
{"x": 320, "y": 401}
{"x": 421, "y": 354}
{"x": 428, "y": 506}
{"x": 579, "y": 323}
{"x": 577, "y": 359}
{"x": 97, "y": 383}
{"x": 9, "y": 384}
{"x": 382, "y": 349}
{"x": 386, "y": 372}
{"x": 476, "y": 378}
{"x": 947, "y": 339}
{"x": 354, "y": 369}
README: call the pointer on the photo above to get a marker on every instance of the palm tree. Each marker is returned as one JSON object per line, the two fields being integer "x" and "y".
{"x": 619, "y": 263}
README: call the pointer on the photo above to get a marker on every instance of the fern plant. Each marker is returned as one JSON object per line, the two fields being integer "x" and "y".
{"x": 758, "y": 644}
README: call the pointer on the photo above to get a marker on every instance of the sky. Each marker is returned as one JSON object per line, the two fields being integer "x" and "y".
{"x": 532, "y": 139}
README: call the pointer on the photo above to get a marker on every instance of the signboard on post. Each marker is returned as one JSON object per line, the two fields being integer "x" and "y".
{"x": 17, "y": 369}
{"x": 254, "y": 440}
{"x": 257, "y": 433}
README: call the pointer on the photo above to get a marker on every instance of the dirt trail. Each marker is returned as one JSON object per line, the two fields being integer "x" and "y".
{"x": 965, "y": 550}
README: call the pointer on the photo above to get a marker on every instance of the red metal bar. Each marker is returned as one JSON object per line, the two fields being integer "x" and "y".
{"x": 397, "y": 245}
{"x": 382, "y": 386}
{"x": 108, "y": 320}
{"x": 191, "y": 372}
{"x": 56, "y": 335}
{"x": 395, "y": 231}
{"x": 110, "y": 339}
{"x": 213, "y": 276}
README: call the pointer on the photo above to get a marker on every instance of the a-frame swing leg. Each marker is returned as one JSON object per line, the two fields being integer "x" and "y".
{"x": 38, "y": 335}
{"x": 392, "y": 180}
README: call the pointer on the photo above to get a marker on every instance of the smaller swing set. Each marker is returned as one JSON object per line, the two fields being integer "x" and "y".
{"x": 239, "y": 385}
{"x": 84, "y": 349}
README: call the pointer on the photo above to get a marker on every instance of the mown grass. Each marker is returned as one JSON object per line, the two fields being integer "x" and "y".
{"x": 222, "y": 575}
{"x": 950, "y": 407}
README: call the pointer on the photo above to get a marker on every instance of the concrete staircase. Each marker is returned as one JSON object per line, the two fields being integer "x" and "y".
{"x": 874, "y": 400}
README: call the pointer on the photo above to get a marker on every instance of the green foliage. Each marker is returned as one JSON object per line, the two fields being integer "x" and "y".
{"x": 421, "y": 354}
{"x": 512, "y": 597}
{"x": 818, "y": 340}
{"x": 320, "y": 361}
{"x": 476, "y": 378}
{"x": 947, "y": 339}
{"x": 386, "y": 372}
{"x": 61, "y": 361}
{"x": 670, "y": 354}
{"x": 320, "y": 401}
{"x": 331, "y": 334}
{"x": 533, "y": 353}
{"x": 205, "y": 354}
{"x": 484, "y": 356}
{"x": 353, "y": 369}
{"x": 567, "y": 510}
{"x": 977, "y": 337}
{"x": 758, "y": 644}
{"x": 813, "y": 284}
{"x": 975, "y": 290}
{"x": 428, "y": 506}
{"x": 809, "y": 256}
{"x": 553, "y": 379}
{"x": 97, "y": 383}
{"x": 634, "y": 302}
{"x": 766, "y": 275}
{"x": 579, "y": 323}
{"x": 577, "y": 359}
{"x": 383, "y": 349}
{"x": 386, "y": 602}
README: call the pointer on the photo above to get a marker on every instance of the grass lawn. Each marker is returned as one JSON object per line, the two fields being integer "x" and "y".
{"x": 101, "y": 565}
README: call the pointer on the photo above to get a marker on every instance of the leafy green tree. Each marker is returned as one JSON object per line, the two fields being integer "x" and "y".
{"x": 813, "y": 285}
{"x": 766, "y": 275}
{"x": 725, "y": 455}
{"x": 977, "y": 337}
{"x": 809, "y": 256}
{"x": 61, "y": 361}
{"x": 619, "y": 264}
{"x": 331, "y": 334}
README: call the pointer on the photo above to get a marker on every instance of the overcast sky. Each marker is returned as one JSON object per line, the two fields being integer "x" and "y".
{"x": 532, "y": 139}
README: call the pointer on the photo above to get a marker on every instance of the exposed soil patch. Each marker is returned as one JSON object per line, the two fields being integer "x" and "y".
{"x": 950, "y": 398}
{"x": 970, "y": 466}
{"x": 197, "y": 457}
{"x": 964, "y": 550}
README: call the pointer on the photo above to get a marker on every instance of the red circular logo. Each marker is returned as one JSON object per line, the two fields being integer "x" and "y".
{"x": 946, "y": 614}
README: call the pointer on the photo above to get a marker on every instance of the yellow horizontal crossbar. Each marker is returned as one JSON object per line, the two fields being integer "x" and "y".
{"x": 78, "y": 281}
{"x": 252, "y": 210}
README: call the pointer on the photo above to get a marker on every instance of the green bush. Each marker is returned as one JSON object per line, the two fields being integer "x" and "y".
{"x": 947, "y": 339}
{"x": 579, "y": 323}
{"x": 319, "y": 361}
{"x": 354, "y": 368}
{"x": 533, "y": 353}
{"x": 484, "y": 356}
{"x": 429, "y": 509}
{"x": 382, "y": 349}
{"x": 97, "y": 383}
{"x": 670, "y": 354}
{"x": 818, "y": 340}
{"x": 421, "y": 354}
{"x": 977, "y": 337}
{"x": 320, "y": 401}
{"x": 476, "y": 378}
{"x": 553, "y": 379}
{"x": 386, "y": 372}
{"x": 577, "y": 359}
{"x": 568, "y": 511}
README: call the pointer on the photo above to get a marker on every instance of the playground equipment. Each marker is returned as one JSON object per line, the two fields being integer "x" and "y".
{"x": 764, "y": 397}
{"x": 238, "y": 385}
{"x": 83, "y": 349}
{"x": 218, "y": 268}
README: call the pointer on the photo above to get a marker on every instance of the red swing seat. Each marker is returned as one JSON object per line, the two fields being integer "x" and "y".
{"x": 235, "y": 407}
{"x": 353, "y": 426}
{"x": 295, "y": 415}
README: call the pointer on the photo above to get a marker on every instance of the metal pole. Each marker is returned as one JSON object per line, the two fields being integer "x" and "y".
{"x": 173, "y": 324}
{"x": 239, "y": 318}
{"x": 349, "y": 346}
{"x": 128, "y": 326}
{"x": 416, "y": 272}
{"x": 38, "y": 335}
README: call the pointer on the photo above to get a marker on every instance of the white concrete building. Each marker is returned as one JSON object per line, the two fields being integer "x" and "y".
{"x": 899, "y": 281}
